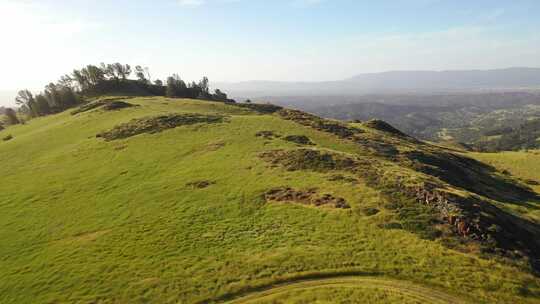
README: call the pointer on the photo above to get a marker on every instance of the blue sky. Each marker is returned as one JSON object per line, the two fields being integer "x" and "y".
{"x": 234, "y": 40}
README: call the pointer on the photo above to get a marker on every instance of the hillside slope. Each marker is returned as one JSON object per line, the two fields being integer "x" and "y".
{"x": 162, "y": 200}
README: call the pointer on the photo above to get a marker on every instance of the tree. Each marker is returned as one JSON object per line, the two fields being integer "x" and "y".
{"x": 122, "y": 71}
{"x": 11, "y": 115}
{"x": 68, "y": 96}
{"x": 52, "y": 95}
{"x": 80, "y": 79}
{"x": 26, "y": 99}
{"x": 218, "y": 95}
{"x": 158, "y": 82}
{"x": 93, "y": 75}
{"x": 203, "y": 85}
{"x": 176, "y": 87}
{"x": 23, "y": 97}
{"x": 66, "y": 81}
{"x": 141, "y": 74}
{"x": 42, "y": 105}
{"x": 109, "y": 71}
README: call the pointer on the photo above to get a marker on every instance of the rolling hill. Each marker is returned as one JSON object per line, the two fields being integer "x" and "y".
{"x": 159, "y": 200}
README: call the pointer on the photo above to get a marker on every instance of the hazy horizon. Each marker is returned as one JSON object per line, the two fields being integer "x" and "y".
{"x": 285, "y": 40}
{"x": 235, "y": 89}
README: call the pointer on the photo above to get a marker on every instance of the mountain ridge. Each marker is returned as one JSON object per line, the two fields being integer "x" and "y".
{"x": 514, "y": 78}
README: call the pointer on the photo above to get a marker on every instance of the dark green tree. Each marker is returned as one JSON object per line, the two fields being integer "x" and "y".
{"x": 142, "y": 74}
{"x": 93, "y": 74}
{"x": 42, "y": 105}
{"x": 218, "y": 95}
{"x": 26, "y": 99}
{"x": 11, "y": 115}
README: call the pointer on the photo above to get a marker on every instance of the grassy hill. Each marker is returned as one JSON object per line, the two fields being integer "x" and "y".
{"x": 149, "y": 199}
{"x": 522, "y": 165}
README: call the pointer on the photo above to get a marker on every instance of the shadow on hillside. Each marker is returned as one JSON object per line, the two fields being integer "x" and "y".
{"x": 474, "y": 176}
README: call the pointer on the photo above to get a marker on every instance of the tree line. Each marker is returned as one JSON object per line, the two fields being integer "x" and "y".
{"x": 71, "y": 89}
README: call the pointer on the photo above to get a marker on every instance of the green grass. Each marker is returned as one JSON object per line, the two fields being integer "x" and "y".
{"x": 524, "y": 165}
{"x": 84, "y": 220}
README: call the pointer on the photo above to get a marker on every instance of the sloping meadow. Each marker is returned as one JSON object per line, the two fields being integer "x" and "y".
{"x": 193, "y": 201}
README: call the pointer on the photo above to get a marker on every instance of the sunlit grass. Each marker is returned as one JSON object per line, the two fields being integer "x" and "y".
{"x": 84, "y": 220}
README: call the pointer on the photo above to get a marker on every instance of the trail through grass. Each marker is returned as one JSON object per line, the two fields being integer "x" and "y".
{"x": 392, "y": 291}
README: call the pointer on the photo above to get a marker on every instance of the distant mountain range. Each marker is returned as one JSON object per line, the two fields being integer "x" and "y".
{"x": 394, "y": 82}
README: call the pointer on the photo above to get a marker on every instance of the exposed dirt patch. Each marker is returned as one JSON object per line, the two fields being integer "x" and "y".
{"x": 267, "y": 134}
{"x": 326, "y": 125}
{"x": 157, "y": 124}
{"x": 306, "y": 197}
{"x": 200, "y": 184}
{"x": 117, "y": 105}
{"x": 299, "y": 139}
{"x": 308, "y": 159}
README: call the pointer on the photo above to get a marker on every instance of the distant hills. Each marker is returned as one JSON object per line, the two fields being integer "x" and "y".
{"x": 396, "y": 82}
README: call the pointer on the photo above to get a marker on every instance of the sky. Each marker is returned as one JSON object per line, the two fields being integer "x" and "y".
{"x": 236, "y": 40}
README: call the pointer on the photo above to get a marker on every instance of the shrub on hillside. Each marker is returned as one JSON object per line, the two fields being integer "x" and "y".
{"x": 157, "y": 124}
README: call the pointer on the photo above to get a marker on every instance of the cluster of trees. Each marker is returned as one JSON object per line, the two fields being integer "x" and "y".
{"x": 176, "y": 87}
{"x": 55, "y": 98}
{"x": 69, "y": 90}
{"x": 10, "y": 117}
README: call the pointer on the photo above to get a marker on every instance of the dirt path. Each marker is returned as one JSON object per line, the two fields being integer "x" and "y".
{"x": 403, "y": 288}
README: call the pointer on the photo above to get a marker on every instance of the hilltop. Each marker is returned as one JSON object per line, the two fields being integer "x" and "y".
{"x": 155, "y": 199}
